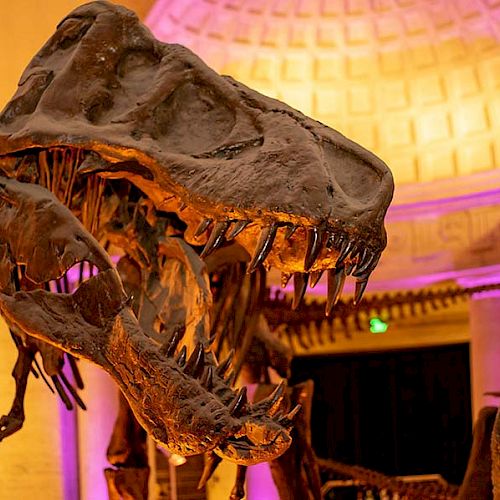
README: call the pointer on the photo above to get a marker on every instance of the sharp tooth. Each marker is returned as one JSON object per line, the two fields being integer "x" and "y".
{"x": 171, "y": 345}
{"x": 299, "y": 288}
{"x": 362, "y": 256}
{"x": 331, "y": 240}
{"x": 207, "y": 378}
{"x": 349, "y": 267}
{"x": 314, "y": 244}
{"x": 287, "y": 420}
{"x": 294, "y": 412}
{"x": 181, "y": 357}
{"x": 369, "y": 263}
{"x": 345, "y": 248}
{"x": 222, "y": 368}
{"x": 236, "y": 229}
{"x": 202, "y": 227}
{"x": 196, "y": 361}
{"x": 336, "y": 279}
{"x": 285, "y": 278}
{"x": 278, "y": 416}
{"x": 315, "y": 277}
{"x": 239, "y": 402}
{"x": 289, "y": 231}
{"x": 230, "y": 379}
{"x": 216, "y": 237}
{"x": 263, "y": 247}
{"x": 359, "y": 290}
{"x": 273, "y": 401}
{"x": 211, "y": 462}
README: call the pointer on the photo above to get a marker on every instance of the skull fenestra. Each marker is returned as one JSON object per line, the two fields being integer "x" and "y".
{"x": 118, "y": 144}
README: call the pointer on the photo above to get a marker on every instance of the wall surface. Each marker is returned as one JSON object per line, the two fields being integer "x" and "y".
{"x": 31, "y": 459}
{"x": 25, "y": 25}
{"x": 419, "y": 87}
{"x": 415, "y": 81}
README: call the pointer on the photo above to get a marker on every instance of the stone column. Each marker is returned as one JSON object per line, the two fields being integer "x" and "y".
{"x": 484, "y": 317}
{"x": 94, "y": 430}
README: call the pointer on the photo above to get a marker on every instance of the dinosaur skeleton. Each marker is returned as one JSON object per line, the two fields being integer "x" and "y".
{"x": 390, "y": 485}
{"x": 117, "y": 146}
{"x": 309, "y": 327}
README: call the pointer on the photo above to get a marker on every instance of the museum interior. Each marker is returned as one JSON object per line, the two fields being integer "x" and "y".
{"x": 400, "y": 380}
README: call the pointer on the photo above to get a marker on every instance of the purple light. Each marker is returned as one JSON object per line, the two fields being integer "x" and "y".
{"x": 490, "y": 294}
{"x": 68, "y": 424}
{"x": 436, "y": 208}
{"x": 260, "y": 484}
{"x": 467, "y": 278}
{"x": 97, "y": 440}
{"x": 487, "y": 275}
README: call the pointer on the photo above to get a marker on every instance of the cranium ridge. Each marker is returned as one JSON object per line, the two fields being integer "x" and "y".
{"x": 128, "y": 142}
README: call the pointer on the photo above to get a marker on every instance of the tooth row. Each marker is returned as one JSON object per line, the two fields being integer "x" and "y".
{"x": 196, "y": 367}
{"x": 362, "y": 258}
{"x": 212, "y": 460}
{"x": 353, "y": 258}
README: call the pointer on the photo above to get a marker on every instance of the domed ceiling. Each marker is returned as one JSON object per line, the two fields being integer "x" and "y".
{"x": 416, "y": 81}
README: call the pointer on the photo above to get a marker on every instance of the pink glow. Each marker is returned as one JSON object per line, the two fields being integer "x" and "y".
{"x": 94, "y": 430}
{"x": 83, "y": 447}
{"x": 260, "y": 484}
{"x": 490, "y": 294}
{"x": 488, "y": 275}
{"x": 68, "y": 422}
{"x": 436, "y": 208}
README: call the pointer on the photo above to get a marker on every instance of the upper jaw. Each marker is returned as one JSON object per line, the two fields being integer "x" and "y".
{"x": 332, "y": 227}
{"x": 225, "y": 151}
{"x": 342, "y": 247}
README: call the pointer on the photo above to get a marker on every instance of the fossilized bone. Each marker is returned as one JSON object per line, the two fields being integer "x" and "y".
{"x": 477, "y": 483}
{"x": 52, "y": 364}
{"x": 118, "y": 144}
{"x": 495, "y": 457}
{"x": 305, "y": 327}
{"x": 435, "y": 490}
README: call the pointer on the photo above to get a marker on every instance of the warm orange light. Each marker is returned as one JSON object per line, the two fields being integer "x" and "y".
{"x": 416, "y": 81}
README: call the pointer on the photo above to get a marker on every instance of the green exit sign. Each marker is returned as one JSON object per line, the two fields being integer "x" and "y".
{"x": 378, "y": 326}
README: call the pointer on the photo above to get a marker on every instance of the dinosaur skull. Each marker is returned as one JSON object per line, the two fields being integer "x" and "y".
{"x": 157, "y": 115}
{"x": 103, "y": 101}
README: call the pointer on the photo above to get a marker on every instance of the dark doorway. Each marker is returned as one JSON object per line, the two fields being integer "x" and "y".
{"x": 399, "y": 412}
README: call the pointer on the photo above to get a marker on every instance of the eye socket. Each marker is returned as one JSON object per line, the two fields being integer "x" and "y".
{"x": 193, "y": 120}
{"x": 355, "y": 177}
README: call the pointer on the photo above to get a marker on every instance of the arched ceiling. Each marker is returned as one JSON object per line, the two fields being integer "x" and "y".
{"x": 416, "y": 81}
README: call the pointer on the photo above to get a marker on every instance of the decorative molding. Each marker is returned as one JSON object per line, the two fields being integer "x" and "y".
{"x": 444, "y": 191}
{"x": 416, "y": 82}
{"x": 308, "y": 331}
{"x": 451, "y": 238}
